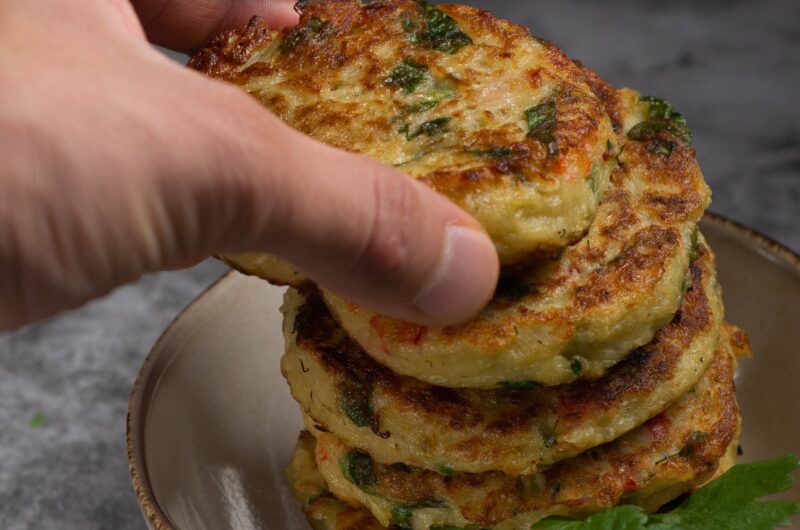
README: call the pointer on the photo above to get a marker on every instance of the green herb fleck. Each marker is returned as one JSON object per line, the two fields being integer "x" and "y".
{"x": 442, "y": 90}
{"x": 38, "y": 420}
{"x": 429, "y": 128}
{"x": 408, "y": 24}
{"x": 518, "y": 385}
{"x": 431, "y": 503}
{"x": 293, "y": 38}
{"x": 694, "y": 248}
{"x": 401, "y": 515}
{"x": 593, "y": 179}
{"x": 422, "y": 106}
{"x": 493, "y": 152}
{"x": 661, "y": 118}
{"x": 408, "y": 75}
{"x": 648, "y": 130}
{"x": 299, "y": 33}
{"x": 442, "y": 32}
{"x": 357, "y": 468}
{"x": 729, "y": 502}
{"x": 357, "y": 406}
{"x": 446, "y": 470}
{"x": 660, "y": 109}
{"x": 661, "y": 147}
{"x": 576, "y": 366}
{"x": 542, "y": 121}
{"x": 687, "y": 284}
{"x": 695, "y": 439}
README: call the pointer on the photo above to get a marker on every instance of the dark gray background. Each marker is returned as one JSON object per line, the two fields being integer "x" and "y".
{"x": 731, "y": 66}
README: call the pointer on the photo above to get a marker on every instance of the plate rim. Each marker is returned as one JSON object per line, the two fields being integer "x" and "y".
{"x": 153, "y": 366}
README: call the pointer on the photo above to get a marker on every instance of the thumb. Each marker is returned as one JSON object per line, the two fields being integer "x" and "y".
{"x": 378, "y": 237}
{"x": 367, "y": 232}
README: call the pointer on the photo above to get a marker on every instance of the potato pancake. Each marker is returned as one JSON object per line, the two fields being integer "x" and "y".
{"x": 578, "y": 315}
{"x": 499, "y": 121}
{"x": 516, "y": 430}
{"x": 673, "y": 453}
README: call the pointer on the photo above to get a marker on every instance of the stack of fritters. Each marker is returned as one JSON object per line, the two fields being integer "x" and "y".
{"x": 600, "y": 373}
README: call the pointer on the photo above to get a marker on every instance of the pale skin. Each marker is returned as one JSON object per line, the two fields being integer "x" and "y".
{"x": 115, "y": 161}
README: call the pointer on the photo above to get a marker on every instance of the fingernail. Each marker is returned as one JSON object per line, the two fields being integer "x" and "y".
{"x": 464, "y": 279}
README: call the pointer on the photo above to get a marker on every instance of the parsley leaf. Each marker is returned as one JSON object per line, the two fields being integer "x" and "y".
{"x": 38, "y": 420}
{"x": 355, "y": 403}
{"x": 660, "y": 109}
{"x": 429, "y": 128}
{"x": 442, "y": 32}
{"x": 619, "y": 518}
{"x": 408, "y": 75}
{"x": 296, "y": 35}
{"x": 661, "y": 117}
{"x": 542, "y": 122}
{"x": 441, "y": 90}
{"x": 357, "y": 468}
{"x": 493, "y": 152}
{"x": 445, "y": 470}
{"x": 576, "y": 366}
{"x": 729, "y": 502}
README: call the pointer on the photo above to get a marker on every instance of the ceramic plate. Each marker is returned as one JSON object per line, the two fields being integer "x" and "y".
{"x": 211, "y": 424}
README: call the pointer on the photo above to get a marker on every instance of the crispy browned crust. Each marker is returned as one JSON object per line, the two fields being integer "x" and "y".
{"x": 488, "y": 418}
{"x": 649, "y": 366}
{"x": 267, "y": 267}
{"x": 676, "y": 198}
{"x": 681, "y": 199}
{"x": 607, "y": 94}
{"x": 672, "y": 453}
{"x": 322, "y": 509}
{"x": 222, "y": 56}
{"x": 294, "y": 73}
{"x": 311, "y": 63}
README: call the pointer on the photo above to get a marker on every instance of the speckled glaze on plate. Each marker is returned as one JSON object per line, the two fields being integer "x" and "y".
{"x": 211, "y": 424}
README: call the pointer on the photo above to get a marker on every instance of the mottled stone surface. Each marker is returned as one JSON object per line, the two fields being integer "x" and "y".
{"x": 732, "y": 67}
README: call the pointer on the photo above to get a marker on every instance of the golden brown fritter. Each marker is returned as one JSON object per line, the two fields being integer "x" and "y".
{"x": 578, "y": 315}
{"x": 499, "y": 121}
{"x": 322, "y": 509}
{"x": 516, "y": 430}
{"x": 675, "y": 452}
{"x": 336, "y": 77}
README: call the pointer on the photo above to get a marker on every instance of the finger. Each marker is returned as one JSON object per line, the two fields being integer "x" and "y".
{"x": 379, "y": 238}
{"x": 184, "y": 25}
{"x": 365, "y": 231}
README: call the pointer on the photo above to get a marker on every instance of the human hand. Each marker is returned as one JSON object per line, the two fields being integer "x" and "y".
{"x": 115, "y": 161}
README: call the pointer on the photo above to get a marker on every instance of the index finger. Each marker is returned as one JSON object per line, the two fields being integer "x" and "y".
{"x": 183, "y": 25}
